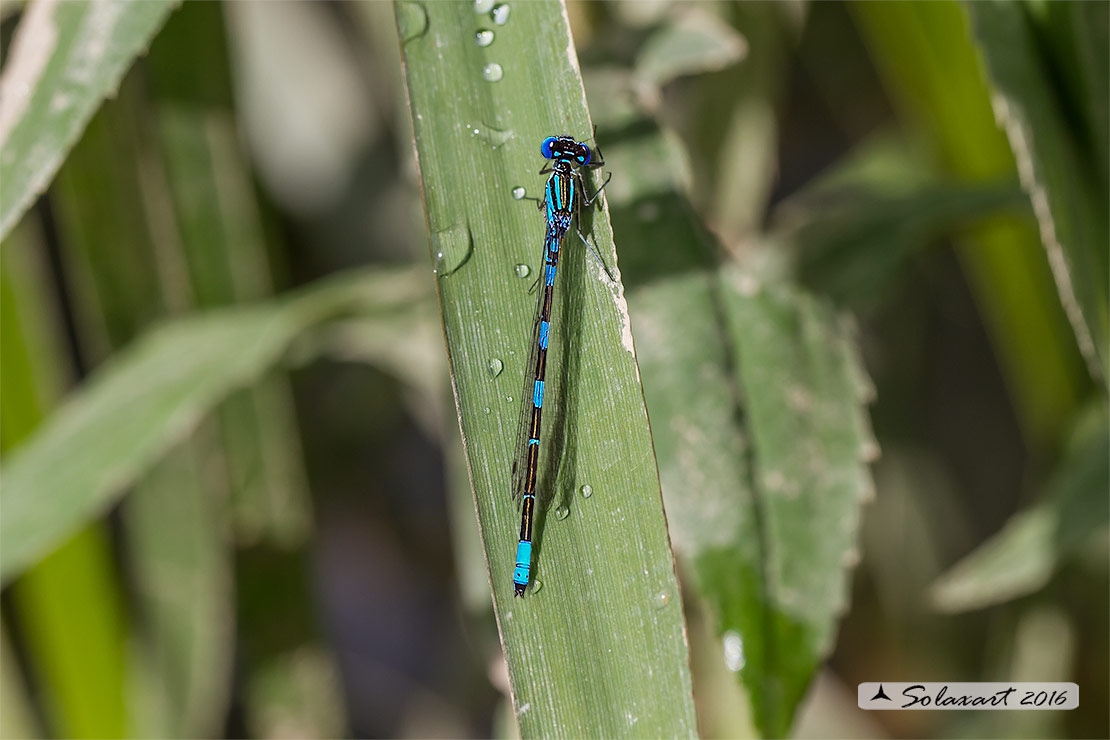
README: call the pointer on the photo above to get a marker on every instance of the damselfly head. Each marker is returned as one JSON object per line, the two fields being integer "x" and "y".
{"x": 565, "y": 148}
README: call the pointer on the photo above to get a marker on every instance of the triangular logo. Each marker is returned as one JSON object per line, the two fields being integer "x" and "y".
{"x": 881, "y": 695}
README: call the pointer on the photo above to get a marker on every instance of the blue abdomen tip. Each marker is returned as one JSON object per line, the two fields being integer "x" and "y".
{"x": 523, "y": 566}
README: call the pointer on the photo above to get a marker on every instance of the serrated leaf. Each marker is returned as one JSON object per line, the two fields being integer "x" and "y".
{"x": 803, "y": 393}
{"x": 1065, "y": 179}
{"x": 749, "y": 383}
{"x": 65, "y": 59}
{"x": 926, "y": 56}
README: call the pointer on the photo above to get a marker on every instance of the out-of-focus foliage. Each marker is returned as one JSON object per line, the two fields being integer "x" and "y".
{"x": 153, "y": 396}
{"x": 864, "y": 250}
{"x": 1023, "y": 556}
{"x": 67, "y": 59}
{"x": 1049, "y": 69}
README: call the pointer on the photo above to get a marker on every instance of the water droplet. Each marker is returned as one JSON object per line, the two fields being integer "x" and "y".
{"x": 484, "y": 37}
{"x": 492, "y": 72}
{"x": 412, "y": 21}
{"x": 562, "y": 513}
{"x": 518, "y": 193}
{"x": 483, "y": 6}
{"x": 586, "y": 490}
{"x": 734, "y": 651}
{"x": 452, "y": 247}
{"x": 662, "y": 599}
{"x": 501, "y": 14}
{"x": 495, "y": 137}
{"x": 509, "y": 399}
{"x": 495, "y": 367}
{"x": 537, "y": 584}
{"x": 522, "y": 271}
{"x": 486, "y": 409}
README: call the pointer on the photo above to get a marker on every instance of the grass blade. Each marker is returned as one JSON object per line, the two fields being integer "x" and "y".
{"x": 926, "y": 54}
{"x": 1027, "y": 551}
{"x": 856, "y": 226}
{"x": 69, "y": 607}
{"x": 221, "y": 243}
{"x": 152, "y": 395}
{"x": 66, "y": 58}
{"x": 16, "y": 715}
{"x": 1065, "y": 178}
{"x": 180, "y": 672}
{"x": 109, "y": 251}
{"x": 601, "y": 649}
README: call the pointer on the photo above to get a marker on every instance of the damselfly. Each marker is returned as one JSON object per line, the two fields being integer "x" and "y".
{"x": 564, "y": 197}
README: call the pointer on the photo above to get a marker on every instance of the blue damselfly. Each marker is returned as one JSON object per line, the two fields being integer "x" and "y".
{"x": 564, "y": 197}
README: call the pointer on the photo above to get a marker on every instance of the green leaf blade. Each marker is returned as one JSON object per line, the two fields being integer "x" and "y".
{"x": 121, "y": 421}
{"x": 749, "y": 382}
{"x": 1065, "y": 184}
{"x": 78, "y": 654}
{"x": 1027, "y": 551}
{"x": 600, "y": 649}
{"x": 67, "y": 58}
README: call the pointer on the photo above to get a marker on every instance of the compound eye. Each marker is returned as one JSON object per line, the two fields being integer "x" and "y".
{"x": 583, "y": 154}
{"x": 545, "y": 147}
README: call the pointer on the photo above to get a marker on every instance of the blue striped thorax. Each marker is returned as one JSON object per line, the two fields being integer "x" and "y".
{"x": 562, "y": 194}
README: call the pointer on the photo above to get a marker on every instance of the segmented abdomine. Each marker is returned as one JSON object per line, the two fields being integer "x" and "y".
{"x": 562, "y": 200}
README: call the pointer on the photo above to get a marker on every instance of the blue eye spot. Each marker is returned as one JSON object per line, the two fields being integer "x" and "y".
{"x": 545, "y": 147}
{"x": 584, "y": 156}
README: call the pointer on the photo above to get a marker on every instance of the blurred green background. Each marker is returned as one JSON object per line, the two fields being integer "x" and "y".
{"x": 292, "y": 552}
